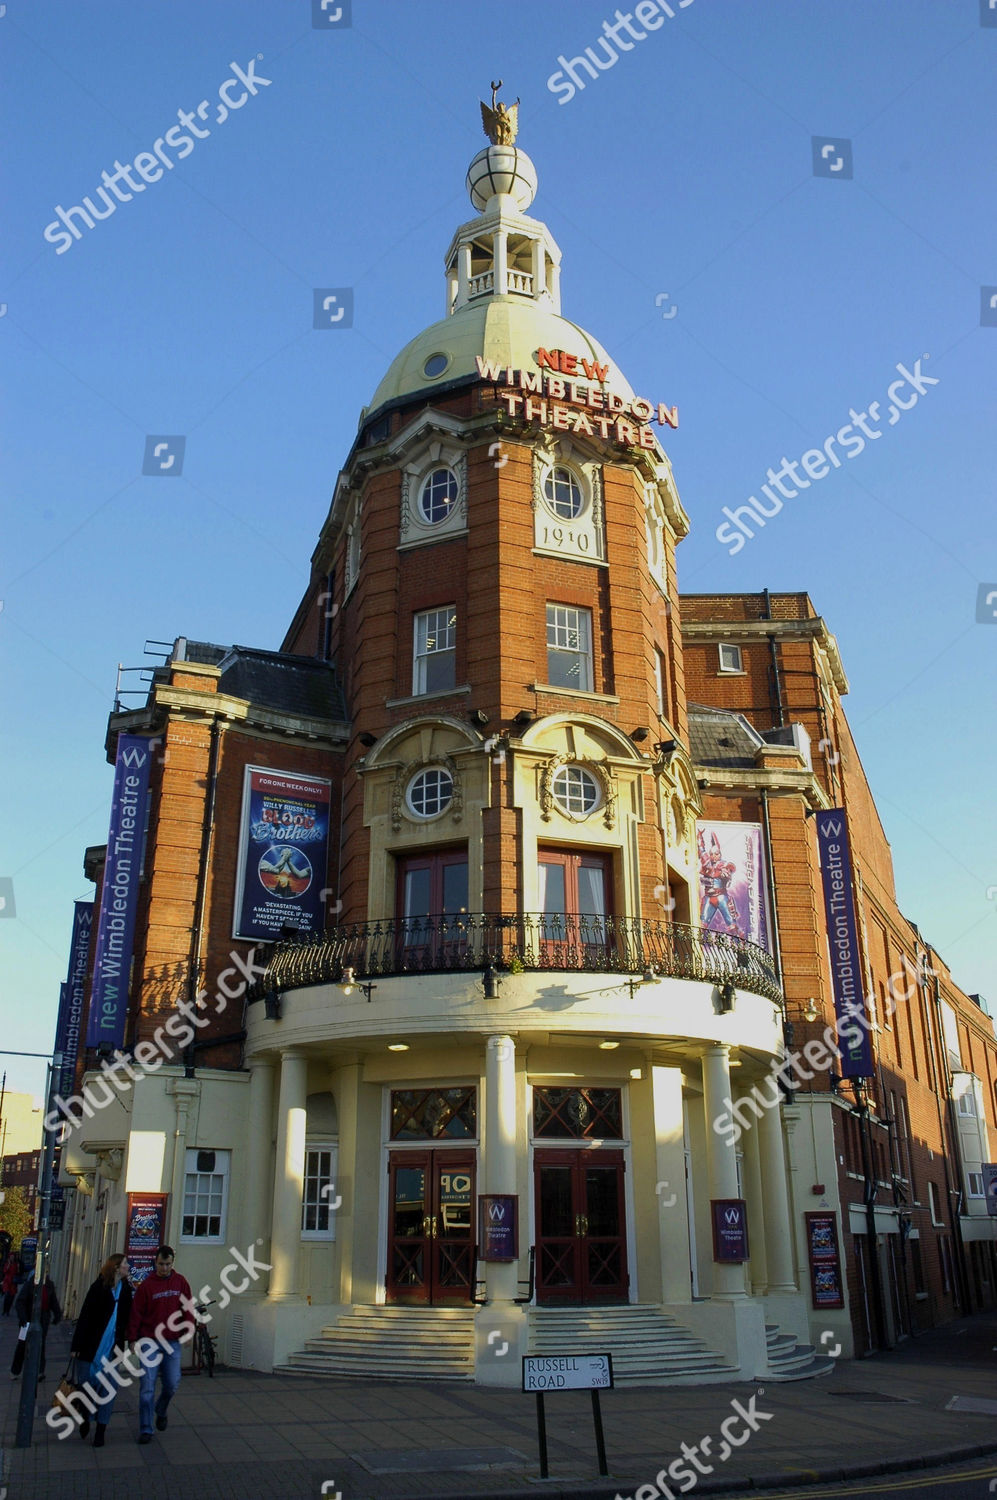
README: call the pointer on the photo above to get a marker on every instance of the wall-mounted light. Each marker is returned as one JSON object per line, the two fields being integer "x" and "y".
{"x": 636, "y": 1074}
{"x": 479, "y": 717}
{"x": 349, "y": 982}
{"x": 649, "y": 976}
{"x": 524, "y": 717}
{"x": 666, "y": 747}
{"x": 398, "y": 1046}
{"x": 490, "y": 982}
{"x": 271, "y": 1005}
{"x": 640, "y": 734}
{"x": 727, "y": 991}
{"x": 367, "y": 738}
{"x": 608, "y": 1046}
{"x": 810, "y": 1011}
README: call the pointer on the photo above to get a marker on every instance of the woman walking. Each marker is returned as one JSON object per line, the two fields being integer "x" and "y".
{"x": 102, "y": 1328}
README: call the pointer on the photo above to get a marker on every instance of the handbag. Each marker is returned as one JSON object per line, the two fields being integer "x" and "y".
{"x": 67, "y": 1385}
{"x": 17, "y": 1363}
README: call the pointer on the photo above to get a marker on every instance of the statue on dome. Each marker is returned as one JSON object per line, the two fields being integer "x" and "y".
{"x": 501, "y": 121}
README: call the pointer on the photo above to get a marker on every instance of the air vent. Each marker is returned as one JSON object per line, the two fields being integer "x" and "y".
{"x": 235, "y": 1334}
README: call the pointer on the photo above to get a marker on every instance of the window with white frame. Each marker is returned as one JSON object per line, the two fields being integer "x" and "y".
{"x": 950, "y": 1031}
{"x": 967, "y": 1102}
{"x": 575, "y": 791}
{"x": 975, "y": 1184}
{"x": 319, "y": 1196}
{"x": 351, "y": 561}
{"x": 438, "y": 496}
{"x": 563, "y": 492}
{"x": 434, "y": 666}
{"x": 569, "y": 647}
{"x": 730, "y": 657}
{"x": 430, "y": 792}
{"x": 205, "y": 1195}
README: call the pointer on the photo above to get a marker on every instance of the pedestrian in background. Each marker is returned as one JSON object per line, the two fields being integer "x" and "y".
{"x": 9, "y": 1284}
{"x": 51, "y": 1312}
{"x": 102, "y": 1331}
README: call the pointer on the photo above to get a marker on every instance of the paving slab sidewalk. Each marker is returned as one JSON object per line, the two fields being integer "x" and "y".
{"x": 250, "y": 1436}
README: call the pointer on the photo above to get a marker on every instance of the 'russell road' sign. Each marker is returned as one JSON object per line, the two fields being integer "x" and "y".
{"x": 567, "y": 1372}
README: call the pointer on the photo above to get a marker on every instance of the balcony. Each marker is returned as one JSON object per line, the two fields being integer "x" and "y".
{"x": 473, "y": 942}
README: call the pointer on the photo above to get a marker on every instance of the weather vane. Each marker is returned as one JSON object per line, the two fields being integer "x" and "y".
{"x": 501, "y": 121}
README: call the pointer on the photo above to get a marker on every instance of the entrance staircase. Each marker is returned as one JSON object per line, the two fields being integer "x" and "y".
{"x": 789, "y": 1360}
{"x": 391, "y": 1343}
{"x": 647, "y": 1345}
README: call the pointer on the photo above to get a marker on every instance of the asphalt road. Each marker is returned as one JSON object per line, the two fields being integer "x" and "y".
{"x": 973, "y": 1481}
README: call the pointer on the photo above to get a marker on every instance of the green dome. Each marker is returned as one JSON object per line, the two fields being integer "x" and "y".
{"x": 507, "y": 330}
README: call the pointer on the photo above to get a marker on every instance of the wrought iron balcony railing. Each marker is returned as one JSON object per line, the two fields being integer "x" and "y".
{"x": 476, "y": 941}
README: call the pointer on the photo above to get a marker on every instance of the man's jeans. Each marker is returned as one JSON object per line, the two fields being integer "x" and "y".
{"x": 167, "y": 1366}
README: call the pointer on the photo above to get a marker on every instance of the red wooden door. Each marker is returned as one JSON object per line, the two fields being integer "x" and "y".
{"x": 581, "y": 1249}
{"x": 430, "y": 1227}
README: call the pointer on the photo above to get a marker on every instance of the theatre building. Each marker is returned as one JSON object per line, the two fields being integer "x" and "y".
{"x": 476, "y": 838}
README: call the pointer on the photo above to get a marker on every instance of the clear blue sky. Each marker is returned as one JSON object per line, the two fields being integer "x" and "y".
{"x": 686, "y": 168}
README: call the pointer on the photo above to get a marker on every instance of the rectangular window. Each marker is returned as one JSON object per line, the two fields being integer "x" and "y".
{"x": 435, "y": 650}
{"x": 659, "y": 684}
{"x": 975, "y": 1184}
{"x": 967, "y": 1102}
{"x": 569, "y": 647}
{"x": 730, "y": 658}
{"x": 205, "y": 1195}
{"x": 318, "y": 1197}
{"x": 936, "y": 1213}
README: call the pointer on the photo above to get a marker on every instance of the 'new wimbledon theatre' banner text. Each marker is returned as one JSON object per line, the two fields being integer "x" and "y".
{"x": 119, "y": 897}
{"x": 846, "y": 963}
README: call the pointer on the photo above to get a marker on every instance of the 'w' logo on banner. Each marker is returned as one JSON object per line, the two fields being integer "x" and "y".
{"x": 496, "y": 1211}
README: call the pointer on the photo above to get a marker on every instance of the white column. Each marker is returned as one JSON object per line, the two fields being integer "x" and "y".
{"x": 753, "y": 1197}
{"x": 669, "y": 1188}
{"x": 539, "y": 286}
{"x": 451, "y": 290}
{"x": 499, "y": 1167}
{"x": 775, "y": 1197}
{"x": 500, "y": 283}
{"x": 721, "y": 1161}
{"x": 463, "y": 274}
{"x": 289, "y": 1171}
{"x": 185, "y": 1091}
{"x": 257, "y": 1194}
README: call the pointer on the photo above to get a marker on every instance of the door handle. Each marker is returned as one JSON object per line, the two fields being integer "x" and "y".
{"x": 432, "y": 1227}
{"x": 585, "y": 1223}
{"x": 427, "y": 1226}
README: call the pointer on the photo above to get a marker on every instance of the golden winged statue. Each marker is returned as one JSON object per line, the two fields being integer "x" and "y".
{"x": 501, "y": 121}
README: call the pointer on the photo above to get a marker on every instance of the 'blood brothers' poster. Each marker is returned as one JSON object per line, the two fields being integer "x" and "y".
{"x": 283, "y": 854}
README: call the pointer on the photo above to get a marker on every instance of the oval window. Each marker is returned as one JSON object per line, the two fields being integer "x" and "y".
{"x": 430, "y": 793}
{"x": 575, "y": 791}
{"x": 438, "y": 496}
{"x": 435, "y": 365}
{"x": 563, "y": 493}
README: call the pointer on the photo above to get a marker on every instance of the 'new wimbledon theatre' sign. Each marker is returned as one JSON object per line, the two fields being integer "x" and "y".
{"x": 842, "y": 933}
{"x": 119, "y": 897}
{"x": 568, "y": 403}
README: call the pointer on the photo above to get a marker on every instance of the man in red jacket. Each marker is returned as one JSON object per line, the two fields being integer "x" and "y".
{"x": 161, "y": 1315}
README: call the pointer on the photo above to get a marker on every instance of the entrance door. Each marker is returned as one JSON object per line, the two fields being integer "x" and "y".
{"x": 580, "y": 1227}
{"x": 430, "y": 1224}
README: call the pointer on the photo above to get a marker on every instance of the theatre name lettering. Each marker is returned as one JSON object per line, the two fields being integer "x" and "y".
{"x": 568, "y": 403}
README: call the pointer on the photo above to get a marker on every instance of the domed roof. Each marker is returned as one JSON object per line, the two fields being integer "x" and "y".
{"x": 506, "y": 330}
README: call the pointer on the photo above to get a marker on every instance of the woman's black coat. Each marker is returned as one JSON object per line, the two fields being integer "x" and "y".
{"x": 98, "y": 1304}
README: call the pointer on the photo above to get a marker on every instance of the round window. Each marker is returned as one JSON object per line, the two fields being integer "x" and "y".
{"x": 435, "y": 365}
{"x": 439, "y": 496}
{"x": 430, "y": 792}
{"x": 563, "y": 493}
{"x": 574, "y": 790}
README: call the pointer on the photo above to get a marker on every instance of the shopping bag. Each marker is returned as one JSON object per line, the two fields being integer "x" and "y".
{"x": 67, "y": 1385}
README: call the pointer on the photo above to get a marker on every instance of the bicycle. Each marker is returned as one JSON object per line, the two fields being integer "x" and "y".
{"x": 204, "y": 1345}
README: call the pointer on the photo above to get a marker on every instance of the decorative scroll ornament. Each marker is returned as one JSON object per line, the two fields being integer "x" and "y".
{"x": 501, "y": 122}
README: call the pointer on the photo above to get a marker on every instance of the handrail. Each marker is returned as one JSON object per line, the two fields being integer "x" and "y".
{"x": 520, "y": 1301}
{"x": 468, "y": 942}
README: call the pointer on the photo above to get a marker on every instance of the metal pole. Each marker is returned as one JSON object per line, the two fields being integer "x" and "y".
{"x": 542, "y": 1434}
{"x": 600, "y": 1441}
{"x": 33, "y": 1351}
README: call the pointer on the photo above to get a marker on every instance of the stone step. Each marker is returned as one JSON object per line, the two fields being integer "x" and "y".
{"x": 811, "y": 1371}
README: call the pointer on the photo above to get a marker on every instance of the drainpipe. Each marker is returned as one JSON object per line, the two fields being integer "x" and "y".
{"x": 774, "y": 651}
{"x": 194, "y": 960}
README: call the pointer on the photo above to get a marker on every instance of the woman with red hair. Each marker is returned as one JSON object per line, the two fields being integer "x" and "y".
{"x": 101, "y": 1329}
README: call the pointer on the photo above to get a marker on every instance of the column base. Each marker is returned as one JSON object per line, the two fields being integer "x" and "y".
{"x": 501, "y": 1335}
{"x": 733, "y": 1326}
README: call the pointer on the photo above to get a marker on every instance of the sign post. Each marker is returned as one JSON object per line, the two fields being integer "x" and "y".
{"x": 568, "y": 1372}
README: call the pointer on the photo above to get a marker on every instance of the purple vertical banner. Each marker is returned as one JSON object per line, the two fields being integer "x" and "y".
{"x": 67, "y": 1031}
{"x": 119, "y": 897}
{"x": 842, "y": 935}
